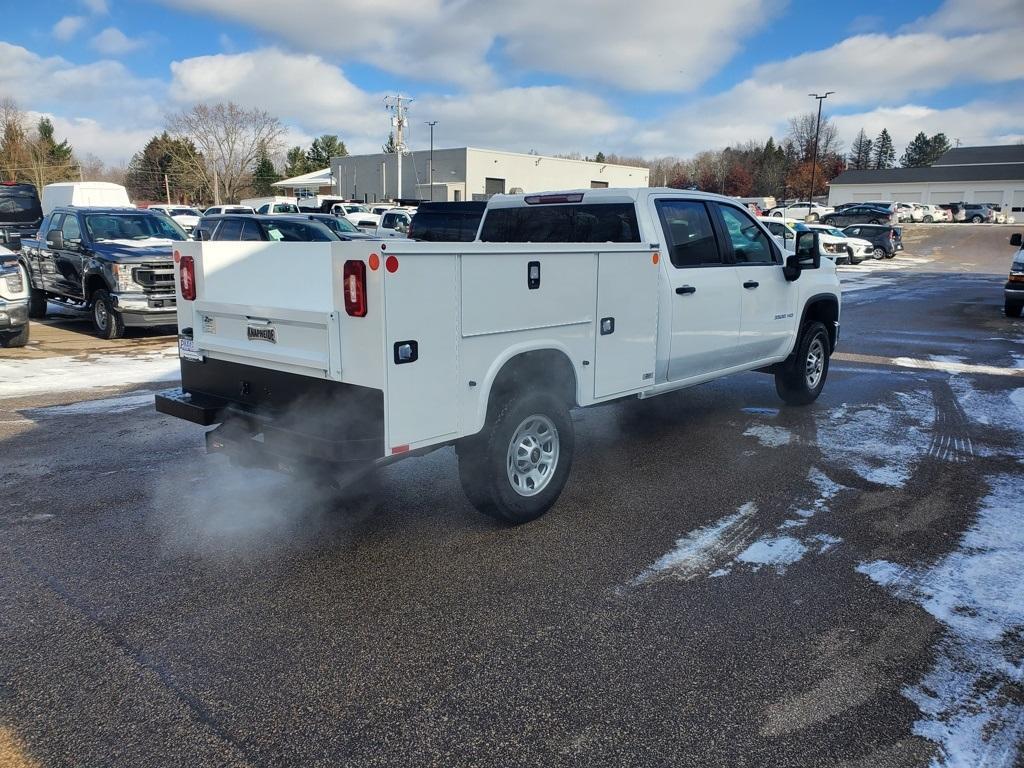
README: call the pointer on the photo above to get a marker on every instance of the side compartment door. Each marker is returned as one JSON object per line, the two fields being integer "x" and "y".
{"x": 768, "y": 300}
{"x": 702, "y": 291}
{"x": 421, "y": 350}
{"x": 627, "y": 322}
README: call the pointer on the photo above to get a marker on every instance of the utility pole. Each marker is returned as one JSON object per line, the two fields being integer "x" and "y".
{"x": 167, "y": 189}
{"x": 432, "y": 124}
{"x": 814, "y": 157}
{"x": 216, "y": 187}
{"x": 398, "y": 104}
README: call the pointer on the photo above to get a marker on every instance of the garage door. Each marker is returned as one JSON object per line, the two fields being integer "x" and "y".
{"x": 907, "y": 197}
{"x": 1017, "y": 206}
{"x": 948, "y": 197}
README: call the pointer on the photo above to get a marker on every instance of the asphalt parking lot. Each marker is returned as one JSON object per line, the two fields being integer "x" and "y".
{"x": 724, "y": 582}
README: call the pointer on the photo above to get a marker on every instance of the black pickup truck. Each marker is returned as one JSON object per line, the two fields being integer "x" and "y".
{"x": 116, "y": 262}
{"x": 20, "y": 213}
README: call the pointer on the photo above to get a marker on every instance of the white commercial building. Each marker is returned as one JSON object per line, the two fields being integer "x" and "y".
{"x": 967, "y": 174}
{"x": 471, "y": 174}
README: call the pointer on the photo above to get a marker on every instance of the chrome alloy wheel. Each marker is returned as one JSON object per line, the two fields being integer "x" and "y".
{"x": 815, "y": 364}
{"x": 532, "y": 455}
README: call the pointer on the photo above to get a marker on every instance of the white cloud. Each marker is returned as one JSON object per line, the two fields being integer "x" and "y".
{"x": 961, "y": 16}
{"x": 113, "y": 42}
{"x": 69, "y": 26}
{"x": 108, "y": 141}
{"x": 97, "y": 7}
{"x": 657, "y": 48}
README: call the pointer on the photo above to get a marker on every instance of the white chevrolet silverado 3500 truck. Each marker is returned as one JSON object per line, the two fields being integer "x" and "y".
{"x": 351, "y": 355}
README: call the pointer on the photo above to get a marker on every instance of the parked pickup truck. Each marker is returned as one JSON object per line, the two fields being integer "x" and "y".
{"x": 114, "y": 261}
{"x": 20, "y": 213}
{"x": 362, "y": 353}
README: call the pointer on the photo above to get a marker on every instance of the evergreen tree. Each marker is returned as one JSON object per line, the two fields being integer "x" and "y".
{"x": 296, "y": 163}
{"x": 938, "y": 145}
{"x": 161, "y": 155}
{"x": 883, "y": 154}
{"x": 860, "y": 152}
{"x": 323, "y": 149}
{"x": 391, "y": 147}
{"x": 264, "y": 175}
{"x": 918, "y": 152}
{"x": 599, "y": 157}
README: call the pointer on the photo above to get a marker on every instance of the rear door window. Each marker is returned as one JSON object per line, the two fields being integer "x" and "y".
{"x": 600, "y": 223}
{"x": 690, "y": 235}
{"x": 229, "y": 229}
{"x": 250, "y": 231}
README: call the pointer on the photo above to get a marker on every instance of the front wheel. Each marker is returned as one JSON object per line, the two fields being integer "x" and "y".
{"x": 516, "y": 467}
{"x": 976, "y": 219}
{"x": 878, "y": 253}
{"x": 928, "y": 219}
{"x": 875, "y": 221}
{"x": 36, "y": 304}
{"x": 106, "y": 321}
{"x": 18, "y": 338}
{"x": 828, "y": 222}
{"x": 855, "y": 259}
{"x": 1013, "y": 308}
{"x": 800, "y": 379}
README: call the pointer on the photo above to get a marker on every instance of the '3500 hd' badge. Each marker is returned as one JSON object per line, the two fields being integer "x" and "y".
{"x": 262, "y": 333}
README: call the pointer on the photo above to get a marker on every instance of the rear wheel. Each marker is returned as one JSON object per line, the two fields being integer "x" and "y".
{"x": 976, "y": 219}
{"x": 36, "y": 304}
{"x": 875, "y": 221}
{"x": 801, "y": 378}
{"x": 17, "y": 338}
{"x": 928, "y": 219}
{"x": 828, "y": 222}
{"x": 106, "y": 321}
{"x": 1013, "y": 308}
{"x": 878, "y": 253}
{"x": 515, "y": 469}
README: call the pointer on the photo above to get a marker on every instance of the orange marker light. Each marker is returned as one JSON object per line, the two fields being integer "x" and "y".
{"x": 391, "y": 264}
{"x": 374, "y": 262}
{"x": 655, "y": 257}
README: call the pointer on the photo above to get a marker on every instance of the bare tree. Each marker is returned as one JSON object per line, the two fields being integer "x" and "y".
{"x": 226, "y": 141}
{"x": 14, "y": 140}
{"x": 801, "y": 133}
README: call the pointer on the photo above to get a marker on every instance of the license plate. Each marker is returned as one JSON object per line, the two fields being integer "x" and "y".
{"x": 262, "y": 333}
{"x": 187, "y": 350}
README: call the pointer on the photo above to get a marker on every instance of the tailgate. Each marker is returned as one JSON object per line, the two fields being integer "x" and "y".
{"x": 275, "y": 305}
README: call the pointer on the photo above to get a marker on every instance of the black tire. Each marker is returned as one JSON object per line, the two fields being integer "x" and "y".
{"x": 976, "y": 219}
{"x": 878, "y": 253}
{"x": 875, "y": 221}
{"x": 17, "y": 338}
{"x": 1013, "y": 308}
{"x": 36, "y": 304}
{"x": 890, "y": 254}
{"x": 777, "y": 214}
{"x": 106, "y": 321}
{"x": 854, "y": 260}
{"x": 793, "y": 379}
{"x": 928, "y": 219}
{"x": 828, "y": 222}
{"x": 484, "y": 458}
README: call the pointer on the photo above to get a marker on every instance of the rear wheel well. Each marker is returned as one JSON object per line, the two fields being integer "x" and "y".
{"x": 543, "y": 369}
{"x": 824, "y": 310}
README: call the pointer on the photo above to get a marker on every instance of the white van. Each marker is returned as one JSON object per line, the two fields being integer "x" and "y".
{"x": 89, "y": 194}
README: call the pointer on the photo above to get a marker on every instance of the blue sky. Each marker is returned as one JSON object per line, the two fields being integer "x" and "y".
{"x": 654, "y": 77}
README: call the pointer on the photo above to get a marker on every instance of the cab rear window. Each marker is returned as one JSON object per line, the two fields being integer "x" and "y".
{"x": 607, "y": 223}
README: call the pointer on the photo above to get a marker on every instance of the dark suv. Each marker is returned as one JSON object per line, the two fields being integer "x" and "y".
{"x": 288, "y": 228}
{"x": 976, "y": 213}
{"x": 20, "y": 213}
{"x": 114, "y": 261}
{"x": 885, "y": 239}
{"x": 859, "y": 214}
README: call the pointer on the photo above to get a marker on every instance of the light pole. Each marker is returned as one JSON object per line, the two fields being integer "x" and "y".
{"x": 814, "y": 157}
{"x": 432, "y": 124}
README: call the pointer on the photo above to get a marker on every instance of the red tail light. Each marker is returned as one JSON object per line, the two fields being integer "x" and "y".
{"x": 187, "y": 277}
{"x": 355, "y": 288}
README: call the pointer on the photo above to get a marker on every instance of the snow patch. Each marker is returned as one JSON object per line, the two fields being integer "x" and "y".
{"x": 778, "y": 552}
{"x": 881, "y": 443}
{"x": 696, "y": 553}
{"x": 120, "y": 404}
{"x": 21, "y": 378}
{"x": 971, "y": 699}
{"x": 769, "y": 436}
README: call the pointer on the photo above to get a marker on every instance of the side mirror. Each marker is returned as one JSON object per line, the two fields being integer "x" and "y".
{"x": 55, "y": 239}
{"x": 1015, "y": 239}
{"x": 807, "y": 256}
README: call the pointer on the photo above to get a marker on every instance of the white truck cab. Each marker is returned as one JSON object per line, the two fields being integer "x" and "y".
{"x": 365, "y": 352}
